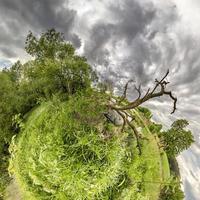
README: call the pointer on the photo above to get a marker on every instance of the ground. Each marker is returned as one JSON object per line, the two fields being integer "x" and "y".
{"x": 120, "y": 174}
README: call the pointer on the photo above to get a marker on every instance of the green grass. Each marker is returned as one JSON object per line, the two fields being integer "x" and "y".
{"x": 61, "y": 155}
{"x": 165, "y": 166}
{"x": 158, "y": 166}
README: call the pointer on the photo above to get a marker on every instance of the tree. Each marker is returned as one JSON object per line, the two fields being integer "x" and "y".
{"x": 56, "y": 68}
{"x": 8, "y": 104}
{"x": 146, "y": 112}
{"x": 177, "y": 138}
{"x": 51, "y": 44}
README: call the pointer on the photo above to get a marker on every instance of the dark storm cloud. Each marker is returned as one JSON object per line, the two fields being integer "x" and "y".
{"x": 39, "y": 14}
{"x": 189, "y": 69}
{"x": 8, "y": 36}
{"x": 130, "y": 21}
{"x": 132, "y": 18}
{"x": 151, "y": 43}
{"x": 20, "y": 16}
{"x": 95, "y": 49}
{"x": 9, "y": 53}
{"x": 134, "y": 26}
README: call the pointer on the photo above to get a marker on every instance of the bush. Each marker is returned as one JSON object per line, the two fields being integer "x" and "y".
{"x": 172, "y": 190}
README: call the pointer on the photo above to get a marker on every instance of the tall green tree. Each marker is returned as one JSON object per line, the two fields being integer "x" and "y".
{"x": 56, "y": 68}
{"x": 8, "y": 104}
{"x": 177, "y": 138}
{"x": 51, "y": 44}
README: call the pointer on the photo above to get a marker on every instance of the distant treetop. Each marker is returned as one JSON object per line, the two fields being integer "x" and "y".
{"x": 51, "y": 44}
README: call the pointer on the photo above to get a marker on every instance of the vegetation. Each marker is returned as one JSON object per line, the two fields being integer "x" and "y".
{"x": 146, "y": 112}
{"x": 72, "y": 133}
{"x": 55, "y": 70}
{"x": 172, "y": 190}
{"x": 177, "y": 138}
{"x": 8, "y": 108}
{"x": 63, "y": 139}
{"x": 66, "y": 149}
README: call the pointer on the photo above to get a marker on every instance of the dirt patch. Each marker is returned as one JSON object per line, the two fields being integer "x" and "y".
{"x": 13, "y": 191}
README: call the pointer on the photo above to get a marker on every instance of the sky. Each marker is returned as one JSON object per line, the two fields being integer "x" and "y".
{"x": 122, "y": 40}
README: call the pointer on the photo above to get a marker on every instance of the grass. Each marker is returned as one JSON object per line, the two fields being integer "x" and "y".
{"x": 60, "y": 154}
{"x": 159, "y": 170}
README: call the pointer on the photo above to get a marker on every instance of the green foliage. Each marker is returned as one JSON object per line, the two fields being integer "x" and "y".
{"x": 146, "y": 112}
{"x": 8, "y": 107}
{"x": 155, "y": 128}
{"x": 43, "y": 79}
{"x": 8, "y": 101}
{"x": 55, "y": 70}
{"x": 51, "y": 44}
{"x": 177, "y": 138}
{"x": 172, "y": 190}
{"x": 180, "y": 124}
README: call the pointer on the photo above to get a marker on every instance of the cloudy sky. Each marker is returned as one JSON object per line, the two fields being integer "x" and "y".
{"x": 124, "y": 39}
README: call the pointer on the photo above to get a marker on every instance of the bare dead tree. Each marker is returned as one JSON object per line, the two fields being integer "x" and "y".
{"x": 122, "y": 107}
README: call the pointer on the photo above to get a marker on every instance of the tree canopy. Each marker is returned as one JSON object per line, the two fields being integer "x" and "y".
{"x": 177, "y": 138}
{"x": 51, "y": 44}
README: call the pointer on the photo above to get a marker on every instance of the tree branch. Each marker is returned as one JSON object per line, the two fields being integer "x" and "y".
{"x": 149, "y": 95}
{"x": 123, "y": 97}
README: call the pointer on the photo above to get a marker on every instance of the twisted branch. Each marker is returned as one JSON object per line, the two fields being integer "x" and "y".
{"x": 149, "y": 95}
{"x": 123, "y": 97}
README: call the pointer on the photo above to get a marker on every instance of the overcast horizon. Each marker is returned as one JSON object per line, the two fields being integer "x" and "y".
{"x": 122, "y": 40}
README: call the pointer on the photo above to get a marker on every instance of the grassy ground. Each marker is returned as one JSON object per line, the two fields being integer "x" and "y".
{"x": 85, "y": 166}
{"x": 158, "y": 166}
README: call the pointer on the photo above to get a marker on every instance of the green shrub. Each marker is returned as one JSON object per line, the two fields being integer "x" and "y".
{"x": 172, "y": 190}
